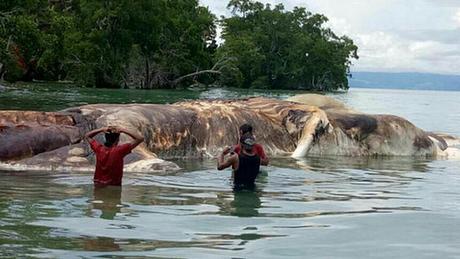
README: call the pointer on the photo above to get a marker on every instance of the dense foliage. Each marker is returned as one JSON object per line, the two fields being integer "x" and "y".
{"x": 280, "y": 49}
{"x": 107, "y": 43}
{"x": 167, "y": 43}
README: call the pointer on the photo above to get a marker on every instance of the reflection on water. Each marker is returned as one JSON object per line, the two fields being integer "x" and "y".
{"x": 400, "y": 164}
{"x": 320, "y": 206}
{"x": 107, "y": 200}
{"x": 245, "y": 203}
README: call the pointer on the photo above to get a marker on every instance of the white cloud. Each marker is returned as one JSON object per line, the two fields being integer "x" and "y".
{"x": 456, "y": 18}
{"x": 392, "y": 35}
{"x": 340, "y": 25}
{"x": 218, "y": 7}
{"x": 388, "y": 52}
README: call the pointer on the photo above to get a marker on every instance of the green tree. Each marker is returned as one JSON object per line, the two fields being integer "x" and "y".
{"x": 174, "y": 38}
{"x": 143, "y": 43}
{"x": 275, "y": 48}
{"x": 170, "y": 43}
{"x": 31, "y": 40}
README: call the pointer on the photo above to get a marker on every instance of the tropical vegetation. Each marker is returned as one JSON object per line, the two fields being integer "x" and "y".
{"x": 169, "y": 44}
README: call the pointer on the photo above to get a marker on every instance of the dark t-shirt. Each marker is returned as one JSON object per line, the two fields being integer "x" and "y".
{"x": 109, "y": 162}
{"x": 248, "y": 169}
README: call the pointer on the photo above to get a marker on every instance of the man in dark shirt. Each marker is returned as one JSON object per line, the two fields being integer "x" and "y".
{"x": 109, "y": 157}
{"x": 257, "y": 148}
{"x": 246, "y": 164}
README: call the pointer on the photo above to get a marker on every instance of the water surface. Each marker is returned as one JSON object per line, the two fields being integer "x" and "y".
{"x": 330, "y": 207}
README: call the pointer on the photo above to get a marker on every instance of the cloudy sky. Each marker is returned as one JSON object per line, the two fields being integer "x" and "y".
{"x": 392, "y": 35}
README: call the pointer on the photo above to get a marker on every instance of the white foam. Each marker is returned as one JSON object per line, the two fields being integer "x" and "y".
{"x": 453, "y": 153}
{"x": 148, "y": 165}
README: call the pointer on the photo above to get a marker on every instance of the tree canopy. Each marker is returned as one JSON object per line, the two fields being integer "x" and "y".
{"x": 167, "y": 43}
{"x": 141, "y": 43}
{"x": 280, "y": 49}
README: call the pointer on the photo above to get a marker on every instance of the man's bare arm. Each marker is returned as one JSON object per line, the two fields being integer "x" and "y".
{"x": 223, "y": 163}
{"x": 138, "y": 139}
{"x": 264, "y": 161}
{"x": 263, "y": 158}
{"x": 90, "y": 135}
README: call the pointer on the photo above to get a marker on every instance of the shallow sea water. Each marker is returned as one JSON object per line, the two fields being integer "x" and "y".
{"x": 329, "y": 207}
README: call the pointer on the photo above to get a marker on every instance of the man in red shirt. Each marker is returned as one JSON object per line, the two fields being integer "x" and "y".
{"x": 109, "y": 157}
{"x": 257, "y": 148}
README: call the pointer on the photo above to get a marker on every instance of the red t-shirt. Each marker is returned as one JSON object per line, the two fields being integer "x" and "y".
{"x": 257, "y": 149}
{"x": 109, "y": 162}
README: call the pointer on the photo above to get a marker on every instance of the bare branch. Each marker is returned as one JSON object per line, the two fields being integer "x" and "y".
{"x": 209, "y": 71}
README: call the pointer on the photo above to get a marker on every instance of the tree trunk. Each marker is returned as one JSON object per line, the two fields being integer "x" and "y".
{"x": 147, "y": 83}
{"x": 2, "y": 72}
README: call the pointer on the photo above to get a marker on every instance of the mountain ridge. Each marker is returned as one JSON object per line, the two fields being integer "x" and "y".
{"x": 405, "y": 80}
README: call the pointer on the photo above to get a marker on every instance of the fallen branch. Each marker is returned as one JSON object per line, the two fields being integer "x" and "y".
{"x": 216, "y": 69}
{"x": 209, "y": 71}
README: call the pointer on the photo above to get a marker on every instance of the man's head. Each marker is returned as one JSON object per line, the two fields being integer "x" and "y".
{"x": 247, "y": 141}
{"x": 111, "y": 138}
{"x": 245, "y": 128}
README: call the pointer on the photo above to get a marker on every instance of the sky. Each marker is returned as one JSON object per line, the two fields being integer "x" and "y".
{"x": 392, "y": 35}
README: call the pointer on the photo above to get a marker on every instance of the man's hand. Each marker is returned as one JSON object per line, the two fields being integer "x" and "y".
{"x": 91, "y": 134}
{"x": 113, "y": 129}
{"x": 231, "y": 160}
{"x": 137, "y": 138}
{"x": 226, "y": 150}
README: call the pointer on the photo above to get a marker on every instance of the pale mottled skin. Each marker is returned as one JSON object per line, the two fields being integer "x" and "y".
{"x": 202, "y": 128}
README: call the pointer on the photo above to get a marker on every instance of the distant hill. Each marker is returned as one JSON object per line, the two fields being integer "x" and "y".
{"x": 419, "y": 81}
